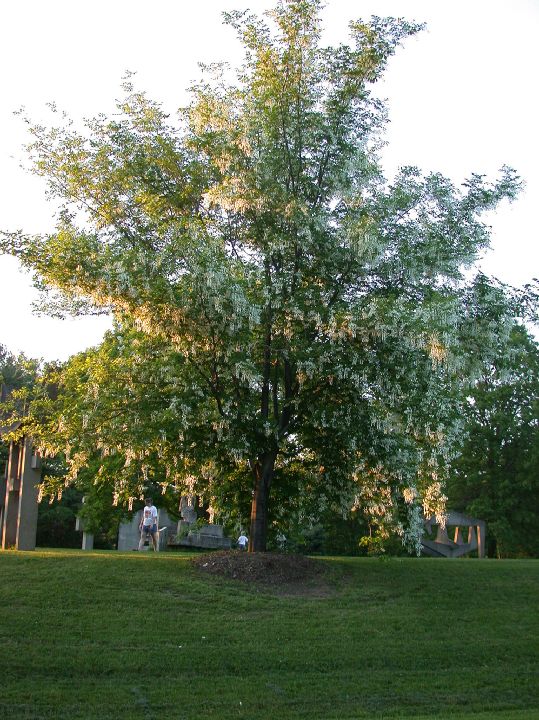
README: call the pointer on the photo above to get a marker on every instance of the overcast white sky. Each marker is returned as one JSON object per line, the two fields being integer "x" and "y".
{"x": 462, "y": 99}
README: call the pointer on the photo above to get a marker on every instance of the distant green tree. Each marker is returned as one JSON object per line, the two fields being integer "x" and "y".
{"x": 496, "y": 476}
{"x": 56, "y": 521}
{"x": 17, "y": 372}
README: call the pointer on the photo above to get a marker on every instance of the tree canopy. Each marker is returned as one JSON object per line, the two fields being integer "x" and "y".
{"x": 277, "y": 301}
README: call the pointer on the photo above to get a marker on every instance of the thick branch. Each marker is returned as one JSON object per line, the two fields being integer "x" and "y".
{"x": 266, "y": 368}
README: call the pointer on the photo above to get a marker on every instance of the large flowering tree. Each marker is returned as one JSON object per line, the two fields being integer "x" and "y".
{"x": 277, "y": 301}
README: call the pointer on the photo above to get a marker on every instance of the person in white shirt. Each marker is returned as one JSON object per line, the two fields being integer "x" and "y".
{"x": 242, "y": 541}
{"x": 148, "y": 525}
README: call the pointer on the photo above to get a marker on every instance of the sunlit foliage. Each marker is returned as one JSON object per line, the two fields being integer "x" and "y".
{"x": 275, "y": 297}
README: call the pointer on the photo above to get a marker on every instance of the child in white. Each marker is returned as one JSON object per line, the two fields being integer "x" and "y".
{"x": 242, "y": 541}
{"x": 148, "y": 525}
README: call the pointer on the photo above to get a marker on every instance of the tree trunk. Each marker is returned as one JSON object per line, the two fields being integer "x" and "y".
{"x": 263, "y": 475}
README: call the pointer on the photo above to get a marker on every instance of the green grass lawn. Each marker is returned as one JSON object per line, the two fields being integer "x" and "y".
{"x": 117, "y": 635}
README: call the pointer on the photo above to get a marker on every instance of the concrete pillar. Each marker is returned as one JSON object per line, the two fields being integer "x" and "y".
{"x": 458, "y": 536}
{"x": 441, "y": 535}
{"x": 87, "y": 538}
{"x": 28, "y": 495}
{"x": 3, "y": 487}
{"x": 128, "y": 533}
{"x": 481, "y": 536}
{"x": 11, "y": 498}
{"x": 87, "y": 541}
{"x": 472, "y": 539}
{"x": 9, "y": 534}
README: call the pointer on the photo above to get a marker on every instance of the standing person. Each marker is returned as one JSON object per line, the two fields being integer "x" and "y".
{"x": 148, "y": 525}
{"x": 242, "y": 541}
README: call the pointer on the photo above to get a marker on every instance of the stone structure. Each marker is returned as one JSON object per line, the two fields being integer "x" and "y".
{"x": 442, "y": 546}
{"x": 183, "y": 534}
{"x": 87, "y": 538}
{"x": 208, "y": 536}
{"x": 129, "y": 534}
{"x": 188, "y": 515}
{"x": 19, "y": 496}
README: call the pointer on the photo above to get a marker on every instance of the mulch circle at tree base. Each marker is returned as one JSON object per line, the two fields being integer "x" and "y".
{"x": 295, "y": 574}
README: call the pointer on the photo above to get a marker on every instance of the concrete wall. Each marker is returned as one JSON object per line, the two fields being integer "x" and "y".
{"x": 20, "y": 506}
{"x": 129, "y": 535}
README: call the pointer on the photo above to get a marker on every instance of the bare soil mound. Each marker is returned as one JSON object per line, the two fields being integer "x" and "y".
{"x": 283, "y": 574}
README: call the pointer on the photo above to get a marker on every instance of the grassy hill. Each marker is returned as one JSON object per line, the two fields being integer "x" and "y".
{"x": 116, "y": 635}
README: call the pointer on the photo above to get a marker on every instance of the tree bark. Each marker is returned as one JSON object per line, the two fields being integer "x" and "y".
{"x": 263, "y": 470}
